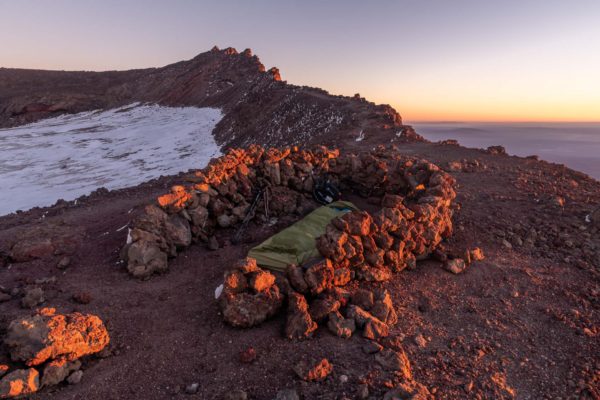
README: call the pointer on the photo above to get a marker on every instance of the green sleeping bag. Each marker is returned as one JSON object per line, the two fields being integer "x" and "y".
{"x": 296, "y": 244}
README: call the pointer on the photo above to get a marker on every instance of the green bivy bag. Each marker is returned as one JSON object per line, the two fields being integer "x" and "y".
{"x": 296, "y": 244}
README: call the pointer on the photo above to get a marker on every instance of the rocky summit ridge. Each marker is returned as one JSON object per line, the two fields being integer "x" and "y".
{"x": 259, "y": 106}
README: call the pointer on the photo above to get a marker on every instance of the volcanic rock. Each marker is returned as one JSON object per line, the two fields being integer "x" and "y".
{"x": 75, "y": 377}
{"x": 476, "y": 254}
{"x": 145, "y": 259}
{"x": 261, "y": 280}
{"x": 299, "y": 323}
{"x": 58, "y": 370}
{"x": 245, "y": 305}
{"x": 456, "y": 265}
{"x": 48, "y": 335}
{"x": 319, "y": 276}
{"x": 342, "y": 276}
{"x": 363, "y": 298}
{"x": 33, "y": 297}
{"x": 321, "y": 307}
{"x": 313, "y": 371}
{"x": 371, "y": 347}
{"x": 248, "y": 356}
{"x": 295, "y": 276}
{"x": 394, "y": 361}
{"x": 340, "y": 326}
{"x": 177, "y": 231}
{"x": 19, "y": 383}
{"x": 375, "y": 329}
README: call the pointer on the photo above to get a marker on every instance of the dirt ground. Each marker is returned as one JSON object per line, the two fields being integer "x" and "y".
{"x": 523, "y": 323}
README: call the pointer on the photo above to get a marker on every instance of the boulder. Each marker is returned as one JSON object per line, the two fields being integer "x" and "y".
{"x": 19, "y": 383}
{"x": 47, "y": 335}
{"x": 30, "y": 249}
{"x": 371, "y": 347}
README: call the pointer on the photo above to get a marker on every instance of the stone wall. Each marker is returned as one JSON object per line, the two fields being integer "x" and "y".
{"x": 415, "y": 196}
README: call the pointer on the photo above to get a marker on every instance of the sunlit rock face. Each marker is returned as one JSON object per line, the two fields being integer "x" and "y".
{"x": 72, "y": 155}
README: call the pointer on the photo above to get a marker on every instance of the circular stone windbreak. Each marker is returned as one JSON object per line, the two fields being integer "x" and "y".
{"x": 415, "y": 195}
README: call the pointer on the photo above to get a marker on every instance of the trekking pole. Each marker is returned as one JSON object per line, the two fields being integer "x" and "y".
{"x": 248, "y": 216}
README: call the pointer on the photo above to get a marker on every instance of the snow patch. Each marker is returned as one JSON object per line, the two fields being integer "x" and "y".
{"x": 72, "y": 155}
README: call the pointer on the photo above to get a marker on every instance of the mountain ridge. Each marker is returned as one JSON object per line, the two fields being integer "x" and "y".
{"x": 259, "y": 107}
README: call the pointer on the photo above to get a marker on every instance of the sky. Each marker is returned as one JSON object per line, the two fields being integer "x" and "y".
{"x": 459, "y": 60}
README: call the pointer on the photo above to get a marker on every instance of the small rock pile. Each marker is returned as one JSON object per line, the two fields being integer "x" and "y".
{"x": 416, "y": 197}
{"x": 342, "y": 312}
{"x": 250, "y": 295}
{"x": 51, "y": 343}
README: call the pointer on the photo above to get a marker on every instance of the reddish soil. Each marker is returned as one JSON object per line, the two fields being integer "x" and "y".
{"x": 523, "y": 323}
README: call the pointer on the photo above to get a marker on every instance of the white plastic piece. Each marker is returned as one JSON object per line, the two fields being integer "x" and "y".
{"x": 218, "y": 291}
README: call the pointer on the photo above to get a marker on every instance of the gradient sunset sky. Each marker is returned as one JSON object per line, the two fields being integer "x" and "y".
{"x": 459, "y": 60}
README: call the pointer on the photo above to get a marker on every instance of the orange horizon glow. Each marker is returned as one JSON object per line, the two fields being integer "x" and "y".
{"x": 467, "y": 60}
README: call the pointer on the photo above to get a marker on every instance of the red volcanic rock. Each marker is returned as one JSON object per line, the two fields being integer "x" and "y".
{"x": 48, "y": 335}
{"x": 319, "y": 276}
{"x": 250, "y": 295}
{"x": 299, "y": 323}
{"x": 295, "y": 275}
{"x": 313, "y": 371}
{"x": 19, "y": 383}
{"x": 275, "y": 73}
{"x": 58, "y": 370}
{"x": 248, "y": 356}
{"x": 340, "y": 326}
{"x": 320, "y": 308}
{"x": 395, "y": 360}
{"x": 176, "y": 200}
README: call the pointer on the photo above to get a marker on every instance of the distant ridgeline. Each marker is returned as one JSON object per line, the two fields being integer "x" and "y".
{"x": 258, "y": 106}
